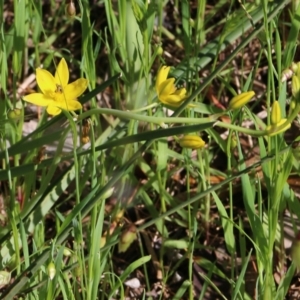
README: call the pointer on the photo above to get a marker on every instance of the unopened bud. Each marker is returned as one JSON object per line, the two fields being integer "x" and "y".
{"x": 70, "y": 10}
{"x": 67, "y": 252}
{"x": 296, "y": 87}
{"x": 292, "y": 106}
{"x": 192, "y": 142}
{"x": 51, "y": 270}
{"x": 233, "y": 141}
{"x": 240, "y": 100}
{"x": 127, "y": 238}
{"x": 14, "y": 114}
{"x": 4, "y": 278}
{"x": 159, "y": 51}
{"x": 275, "y": 113}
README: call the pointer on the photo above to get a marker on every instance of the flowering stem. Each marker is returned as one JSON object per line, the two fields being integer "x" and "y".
{"x": 252, "y": 132}
{"x": 161, "y": 121}
{"x": 259, "y": 133}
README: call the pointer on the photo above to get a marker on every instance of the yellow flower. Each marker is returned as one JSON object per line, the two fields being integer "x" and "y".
{"x": 240, "y": 100}
{"x": 275, "y": 113}
{"x": 57, "y": 94}
{"x": 192, "y": 142}
{"x": 272, "y": 129}
{"x": 166, "y": 90}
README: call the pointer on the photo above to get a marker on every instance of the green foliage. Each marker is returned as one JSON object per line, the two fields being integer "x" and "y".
{"x": 75, "y": 184}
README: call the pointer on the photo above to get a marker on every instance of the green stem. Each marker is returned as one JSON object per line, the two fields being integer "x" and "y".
{"x": 161, "y": 121}
{"x": 252, "y": 132}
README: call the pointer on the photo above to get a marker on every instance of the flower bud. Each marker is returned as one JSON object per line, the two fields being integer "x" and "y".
{"x": 119, "y": 216}
{"x": 159, "y": 51}
{"x": 51, "y": 270}
{"x": 102, "y": 241}
{"x": 240, "y": 100}
{"x": 70, "y": 10}
{"x": 292, "y": 106}
{"x": 112, "y": 228}
{"x": 275, "y": 113}
{"x": 127, "y": 238}
{"x": 232, "y": 141}
{"x": 67, "y": 252}
{"x": 4, "y": 278}
{"x": 14, "y": 114}
{"x": 77, "y": 271}
{"x": 295, "y": 87}
{"x": 192, "y": 142}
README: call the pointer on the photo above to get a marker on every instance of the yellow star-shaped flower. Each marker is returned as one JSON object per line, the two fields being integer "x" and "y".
{"x": 166, "y": 90}
{"x": 56, "y": 92}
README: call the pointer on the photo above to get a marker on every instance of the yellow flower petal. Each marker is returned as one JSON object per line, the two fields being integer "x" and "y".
{"x": 69, "y": 105}
{"x": 181, "y": 92}
{"x": 72, "y": 105}
{"x": 45, "y": 81}
{"x": 240, "y": 100}
{"x": 161, "y": 76}
{"x": 53, "y": 110}
{"x": 172, "y": 100}
{"x": 38, "y": 99}
{"x": 76, "y": 88}
{"x": 167, "y": 87}
{"x": 62, "y": 73}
